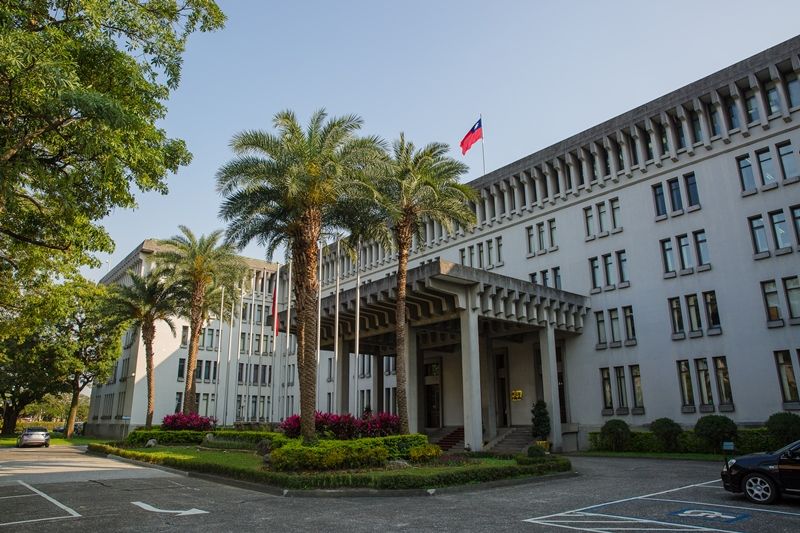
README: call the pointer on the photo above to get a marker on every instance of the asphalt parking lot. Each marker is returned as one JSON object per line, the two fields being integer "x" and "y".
{"x": 64, "y": 489}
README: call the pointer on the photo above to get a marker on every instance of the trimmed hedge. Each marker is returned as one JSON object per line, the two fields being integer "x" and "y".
{"x": 328, "y": 455}
{"x": 424, "y": 453}
{"x": 399, "y": 479}
{"x": 746, "y": 441}
{"x": 164, "y": 437}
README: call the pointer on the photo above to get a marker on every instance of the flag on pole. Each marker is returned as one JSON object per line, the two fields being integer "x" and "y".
{"x": 473, "y": 136}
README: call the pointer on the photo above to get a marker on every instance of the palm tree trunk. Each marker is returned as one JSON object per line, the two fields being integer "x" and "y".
{"x": 196, "y": 321}
{"x": 148, "y": 334}
{"x": 403, "y": 238}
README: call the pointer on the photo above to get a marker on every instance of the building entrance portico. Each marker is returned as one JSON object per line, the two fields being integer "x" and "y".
{"x": 473, "y": 338}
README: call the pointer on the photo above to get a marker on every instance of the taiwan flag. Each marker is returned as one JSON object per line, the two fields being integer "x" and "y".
{"x": 472, "y": 137}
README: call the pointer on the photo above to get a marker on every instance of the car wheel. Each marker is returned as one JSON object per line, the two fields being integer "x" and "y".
{"x": 47, "y": 445}
{"x": 759, "y": 488}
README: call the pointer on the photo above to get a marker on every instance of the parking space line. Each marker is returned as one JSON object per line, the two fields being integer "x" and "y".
{"x": 602, "y": 522}
{"x": 50, "y": 499}
{"x": 38, "y": 520}
{"x": 760, "y": 510}
{"x": 17, "y": 496}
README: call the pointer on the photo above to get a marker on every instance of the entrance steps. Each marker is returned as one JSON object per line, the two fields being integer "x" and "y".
{"x": 515, "y": 440}
{"x": 449, "y": 438}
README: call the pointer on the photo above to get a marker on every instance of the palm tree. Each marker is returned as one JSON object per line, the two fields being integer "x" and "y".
{"x": 420, "y": 184}
{"x": 144, "y": 302}
{"x": 200, "y": 267}
{"x": 286, "y": 188}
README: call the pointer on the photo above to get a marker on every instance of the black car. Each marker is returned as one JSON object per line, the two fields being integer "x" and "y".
{"x": 763, "y": 477}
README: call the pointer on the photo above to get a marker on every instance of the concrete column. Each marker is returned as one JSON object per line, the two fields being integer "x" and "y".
{"x": 342, "y": 380}
{"x": 547, "y": 348}
{"x": 471, "y": 380}
{"x": 377, "y": 384}
{"x": 489, "y": 391}
{"x": 414, "y": 384}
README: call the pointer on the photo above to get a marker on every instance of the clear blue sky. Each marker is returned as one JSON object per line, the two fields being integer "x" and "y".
{"x": 537, "y": 71}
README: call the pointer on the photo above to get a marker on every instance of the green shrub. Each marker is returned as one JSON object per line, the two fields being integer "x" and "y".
{"x": 424, "y": 453}
{"x": 616, "y": 435}
{"x": 534, "y": 450}
{"x": 713, "y": 430}
{"x": 329, "y": 455}
{"x": 140, "y": 437}
{"x": 783, "y": 429}
{"x": 399, "y": 446}
{"x": 522, "y": 459}
{"x": 540, "y": 420}
{"x": 667, "y": 432}
{"x": 753, "y": 440}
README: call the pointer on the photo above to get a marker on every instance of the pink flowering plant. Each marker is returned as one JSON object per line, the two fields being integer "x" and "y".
{"x": 192, "y": 421}
{"x": 346, "y": 426}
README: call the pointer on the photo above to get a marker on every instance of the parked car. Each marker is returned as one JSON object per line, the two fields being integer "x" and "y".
{"x": 764, "y": 477}
{"x": 77, "y": 429}
{"x": 34, "y": 436}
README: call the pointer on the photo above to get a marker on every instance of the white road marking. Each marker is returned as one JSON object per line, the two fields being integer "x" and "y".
{"x": 637, "y": 524}
{"x": 17, "y": 496}
{"x": 38, "y": 520}
{"x": 760, "y": 510}
{"x": 50, "y": 499}
{"x": 187, "y": 512}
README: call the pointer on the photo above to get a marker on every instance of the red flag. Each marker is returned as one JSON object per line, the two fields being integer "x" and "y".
{"x": 474, "y": 135}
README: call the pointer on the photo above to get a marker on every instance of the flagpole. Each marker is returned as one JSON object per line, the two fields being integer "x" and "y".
{"x": 274, "y": 368}
{"x": 249, "y": 368}
{"x": 335, "y": 369}
{"x": 228, "y": 370}
{"x": 239, "y": 348}
{"x": 358, "y": 323}
{"x": 219, "y": 353}
{"x": 261, "y": 410}
{"x": 483, "y": 142}
{"x": 319, "y": 313}
{"x": 286, "y": 353}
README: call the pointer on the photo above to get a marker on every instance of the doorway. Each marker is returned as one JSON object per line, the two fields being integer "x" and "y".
{"x": 501, "y": 389}
{"x": 433, "y": 394}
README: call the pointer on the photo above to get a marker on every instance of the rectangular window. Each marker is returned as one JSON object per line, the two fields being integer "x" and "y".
{"x": 178, "y": 402}
{"x": 780, "y": 229}
{"x": 704, "y": 382}
{"x": 630, "y": 326}
{"x": 667, "y": 256}
{"x": 471, "y": 256}
{"x": 793, "y": 88}
{"x": 480, "y": 255}
{"x": 773, "y": 100}
{"x": 545, "y": 277}
{"x": 257, "y": 344}
{"x": 594, "y": 268}
{"x": 602, "y": 217}
{"x": 692, "y": 196}
{"x": 551, "y": 230}
{"x": 766, "y": 166}
{"x": 605, "y": 376}
{"x": 622, "y": 395}
{"x": 791, "y": 287}
{"x": 786, "y": 376}
{"x": 716, "y": 127}
{"x": 185, "y": 336}
{"x": 540, "y": 236}
{"x": 557, "y": 277}
{"x": 490, "y": 252}
{"x": 675, "y": 194}
{"x": 181, "y": 368}
{"x": 613, "y": 318}
{"x": 759, "y": 234}
{"x": 462, "y": 253}
{"x": 697, "y": 129}
{"x": 636, "y": 385}
{"x": 701, "y": 247}
{"x": 533, "y": 277}
{"x": 615, "y": 220}
{"x": 684, "y": 251}
{"x": 733, "y": 113}
{"x": 608, "y": 269}
{"x": 693, "y": 310}
{"x": 214, "y": 372}
{"x": 685, "y": 380}
{"x": 207, "y": 374}
{"x": 723, "y": 381}
{"x": 796, "y": 221}
{"x": 789, "y": 165}
{"x": 498, "y": 243}
{"x": 676, "y": 315}
{"x": 622, "y": 266}
{"x": 712, "y": 311}
{"x": 680, "y": 133}
{"x": 242, "y": 342}
{"x": 751, "y": 105}
{"x": 746, "y": 177}
{"x": 770, "y": 291}
{"x": 531, "y": 241}
{"x": 588, "y": 221}
{"x": 659, "y": 199}
{"x": 240, "y": 376}
{"x": 601, "y": 327}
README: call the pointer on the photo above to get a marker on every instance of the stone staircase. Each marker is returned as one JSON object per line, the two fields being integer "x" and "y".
{"x": 452, "y": 440}
{"x": 514, "y": 441}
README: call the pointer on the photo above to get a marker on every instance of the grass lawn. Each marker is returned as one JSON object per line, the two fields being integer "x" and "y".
{"x": 230, "y": 458}
{"x": 10, "y": 442}
{"x": 656, "y": 455}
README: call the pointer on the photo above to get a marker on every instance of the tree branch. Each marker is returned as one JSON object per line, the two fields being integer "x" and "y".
{"x": 35, "y": 242}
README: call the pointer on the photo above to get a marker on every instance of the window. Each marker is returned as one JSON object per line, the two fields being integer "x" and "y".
{"x": 675, "y": 194}
{"x": 622, "y": 397}
{"x": 630, "y": 326}
{"x": 214, "y": 373}
{"x": 701, "y": 247}
{"x": 601, "y": 327}
{"x": 733, "y": 113}
{"x": 608, "y": 269}
{"x": 613, "y": 317}
{"x": 697, "y": 129}
{"x": 704, "y": 382}
{"x": 594, "y": 267}
{"x": 723, "y": 381}
{"x": 780, "y": 231}
{"x": 471, "y": 256}
{"x": 530, "y": 239}
{"x": 667, "y": 256}
{"x": 178, "y": 402}
{"x": 462, "y": 256}
{"x": 685, "y": 254}
{"x": 533, "y": 277}
{"x": 602, "y": 217}
{"x": 766, "y": 166}
{"x": 789, "y": 165}
{"x": 759, "y": 234}
{"x": 751, "y": 105}
{"x": 257, "y": 343}
{"x": 715, "y": 123}
{"x": 498, "y": 242}
{"x": 605, "y": 376}
{"x": 692, "y": 196}
{"x": 636, "y": 385}
{"x": 796, "y": 221}
{"x": 680, "y": 133}
{"x": 770, "y": 291}
{"x": 557, "y": 277}
{"x": 540, "y": 236}
{"x": 545, "y": 278}
{"x": 786, "y": 376}
{"x": 242, "y": 342}
{"x": 588, "y": 220}
{"x": 712, "y": 311}
{"x": 622, "y": 266}
{"x": 240, "y": 375}
{"x": 773, "y": 101}
{"x": 793, "y": 86}
{"x": 685, "y": 379}
{"x": 207, "y": 376}
{"x": 181, "y": 369}
{"x": 676, "y": 315}
{"x": 746, "y": 176}
{"x": 660, "y": 201}
{"x": 693, "y": 309}
{"x": 184, "y": 335}
{"x": 480, "y": 255}
{"x": 490, "y": 252}
{"x": 791, "y": 287}
{"x": 551, "y": 230}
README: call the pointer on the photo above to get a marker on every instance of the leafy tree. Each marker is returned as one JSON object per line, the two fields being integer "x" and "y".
{"x": 56, "y": 407}
{"x": 83, "y": 85}
{"x": 419, "y": 184}
{"x": 200, "y": 267}
{"x": 289, "y": 188}
{"x": 147, "y": 300}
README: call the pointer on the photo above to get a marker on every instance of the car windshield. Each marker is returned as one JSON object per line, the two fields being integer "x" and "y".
{"x": 36, "y": 430}
{"x": 787, "y": 447}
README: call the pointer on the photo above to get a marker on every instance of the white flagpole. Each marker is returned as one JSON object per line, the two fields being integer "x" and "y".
{"x": 219, "y": 353}
{"x": 228, "y": 370}
{"x": 261, "y": 343}
{"x": 319, "y": 311}
{"x": 336, "y": 331}
{"x": 286, "y": 353}
{"x": 358, "y": 324}
{"x": 239, "y": 345}
{"x": 483, "y": 141}
{"x": 248, "y": 374}
{"x": 274, "y": 354}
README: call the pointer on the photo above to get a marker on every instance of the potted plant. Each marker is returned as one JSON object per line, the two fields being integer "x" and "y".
{"x": 541, "y": 424}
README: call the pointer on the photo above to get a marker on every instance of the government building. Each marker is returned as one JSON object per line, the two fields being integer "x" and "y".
{"x": 647, "y": 267}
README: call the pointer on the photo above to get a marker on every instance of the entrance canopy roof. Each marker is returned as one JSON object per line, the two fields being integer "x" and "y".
{"x": 439, "y": 290}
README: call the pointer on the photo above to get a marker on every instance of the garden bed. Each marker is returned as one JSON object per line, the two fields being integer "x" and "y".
{"x": 248, "y": 466}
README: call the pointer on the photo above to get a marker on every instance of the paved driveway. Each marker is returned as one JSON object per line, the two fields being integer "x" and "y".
{"x": 65, "y": 489}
